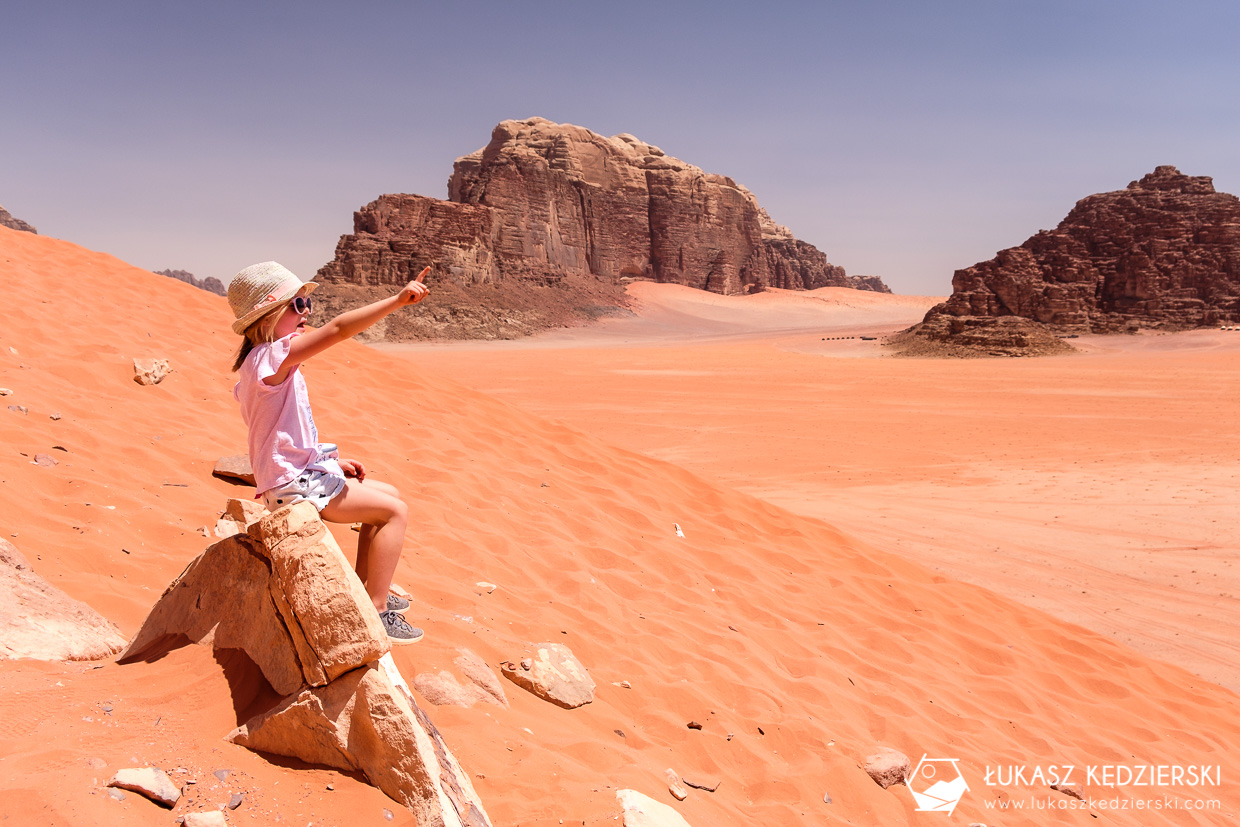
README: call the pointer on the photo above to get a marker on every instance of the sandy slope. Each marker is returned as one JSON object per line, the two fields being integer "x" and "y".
{"x": 1099, "y": 487}
{"x": 798, "y": 648}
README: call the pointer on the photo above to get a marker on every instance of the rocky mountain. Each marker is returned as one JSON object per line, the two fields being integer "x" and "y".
{"x": 7, "y": 220}
{"x": 211, "y": 284}
{"x": 1162, "y": 253}
{"x": 560, "y": 214}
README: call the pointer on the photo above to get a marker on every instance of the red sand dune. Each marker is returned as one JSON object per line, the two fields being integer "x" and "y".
{"x": 798, "y": 648}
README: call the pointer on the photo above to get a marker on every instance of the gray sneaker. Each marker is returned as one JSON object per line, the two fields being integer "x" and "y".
{"x": 397, "y": 604}
{"x": 399, "y": 631}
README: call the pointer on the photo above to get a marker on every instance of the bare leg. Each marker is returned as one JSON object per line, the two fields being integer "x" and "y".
{"x": 384, "y": 516}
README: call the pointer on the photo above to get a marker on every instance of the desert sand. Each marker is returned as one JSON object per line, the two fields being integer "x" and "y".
{"x": 799, "y": 647}
{"x": 1100, "y": 487}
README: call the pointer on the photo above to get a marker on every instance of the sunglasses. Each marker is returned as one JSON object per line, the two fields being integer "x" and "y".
{"x": 301, "y": 305}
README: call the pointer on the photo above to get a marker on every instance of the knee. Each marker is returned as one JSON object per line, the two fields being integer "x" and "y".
{"x": 399, "y": 510}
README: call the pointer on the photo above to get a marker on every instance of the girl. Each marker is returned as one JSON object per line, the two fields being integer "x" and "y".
{"x": 271, "y": 305}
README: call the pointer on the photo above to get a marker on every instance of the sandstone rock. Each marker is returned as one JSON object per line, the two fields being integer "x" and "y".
{"x": 207, "y": 818}
{"x": 973, "y": 336}
{"x": 38, "y": 620}
{"x": 674, "y": 785}
{"x": 1163, "y": 253}
{"x": 150, "y": 371}
{"x": 151, "y": 782}
{"x": 210, "y": 283}
{"x": 236, "y": 467}
{"x": 443, "y": 688}
{"x": 555, "y": 675}
{"x": 476, "y": 669}
{"x": 888, "y": 767}
{"x": 8, "y": 220}
{"x": 642, "y": 811}
{"x": 366, "y": 721}
{"x": 283, "y": 593}
{"x": 556, "y": 205}
{"x": 238, "y": 516}
{"x": 337, "y": 619}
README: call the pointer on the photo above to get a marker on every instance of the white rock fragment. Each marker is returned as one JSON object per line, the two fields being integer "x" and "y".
{"x": 643, "y": 811}
{"x": 151, "y": 782}
{"x": 209, "y": 818}
{"x": 150, "y": 371}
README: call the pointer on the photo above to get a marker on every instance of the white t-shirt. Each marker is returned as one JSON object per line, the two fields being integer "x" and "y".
{"x": 283, "y": 438}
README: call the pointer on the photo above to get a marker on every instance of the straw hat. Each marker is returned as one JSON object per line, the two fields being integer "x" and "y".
{"x": 260, "y": 287}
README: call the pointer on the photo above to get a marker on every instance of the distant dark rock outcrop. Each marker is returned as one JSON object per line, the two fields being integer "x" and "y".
{"x": 1164, "y": 253}
{"x": 544, "y": 222}
{"x": 211, "y": 284}
{"x": 8, "y": 220}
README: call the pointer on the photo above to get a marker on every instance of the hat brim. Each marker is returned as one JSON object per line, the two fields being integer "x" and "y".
{"x": 303, "y": 289}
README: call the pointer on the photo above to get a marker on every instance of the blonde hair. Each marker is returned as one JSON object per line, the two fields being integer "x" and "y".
{"x": 262, "y": 330}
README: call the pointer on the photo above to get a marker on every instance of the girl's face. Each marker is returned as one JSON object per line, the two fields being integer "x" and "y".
{"x": 290, "y": 321}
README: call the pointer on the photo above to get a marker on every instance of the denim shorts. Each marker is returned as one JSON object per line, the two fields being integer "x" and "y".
{"x": 318, "y": 484}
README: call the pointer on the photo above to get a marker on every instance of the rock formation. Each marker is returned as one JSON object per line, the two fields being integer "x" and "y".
{"x": 38, "y": 620}
{"x": 8, "y": 220}
{"x": 1163, "y": 253}
{"x": 282, "y": 592}
{"x": 548, "y": 205}
{"x": 211, "y": 284}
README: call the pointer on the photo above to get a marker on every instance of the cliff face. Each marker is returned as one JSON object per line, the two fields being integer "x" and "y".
{"x": 547, "y": 204}
{"x": 1162, "y": 253}
{"x": 7, "y": 220}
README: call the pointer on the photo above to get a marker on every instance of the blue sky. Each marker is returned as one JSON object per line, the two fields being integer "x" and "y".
{"x": 904, "y": 139}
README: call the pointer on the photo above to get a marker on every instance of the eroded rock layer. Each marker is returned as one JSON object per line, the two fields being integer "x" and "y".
{"x": 548, "y": 205}
{"x": 7, "y": 219}
{"x": 1162, "y": 253}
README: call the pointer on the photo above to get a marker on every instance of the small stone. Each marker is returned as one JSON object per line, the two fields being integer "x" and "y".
{"x": 151, "y": 782}
{"x": 674, "y": 786}
{"x": 553, "y": 674}
{"x": 693, "y": 725}
{"x": 622, "y": 684}
{"x": 387, "y": 814}
{"x": 236, "y": 468}
{"x": 207, "y": 818}
{"x": 55, "y": 415}
{"x": 96, "y": 763}
{"x": 888, "y": 767}
{"x": 150, "y": 371}
{"x": 21, "y": 409}
{"x": 331, "y": 786}
{"x": 1071, "y": 790}
{"x": 235, "y": 801}
{"x": 117, "y": 794}
{"x": 222, "y": 775}
{"x": 826, "y": 798}
{"x": 710, "y": 787}
{"x": 107, "y": 708}
{"x": 6, "y": 392}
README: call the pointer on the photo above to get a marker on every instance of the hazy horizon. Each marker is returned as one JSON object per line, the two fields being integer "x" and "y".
{"x": 905, "y": 140}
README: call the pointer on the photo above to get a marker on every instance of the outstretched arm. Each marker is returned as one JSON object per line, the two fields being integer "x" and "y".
{"x": 346, "y": 326}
